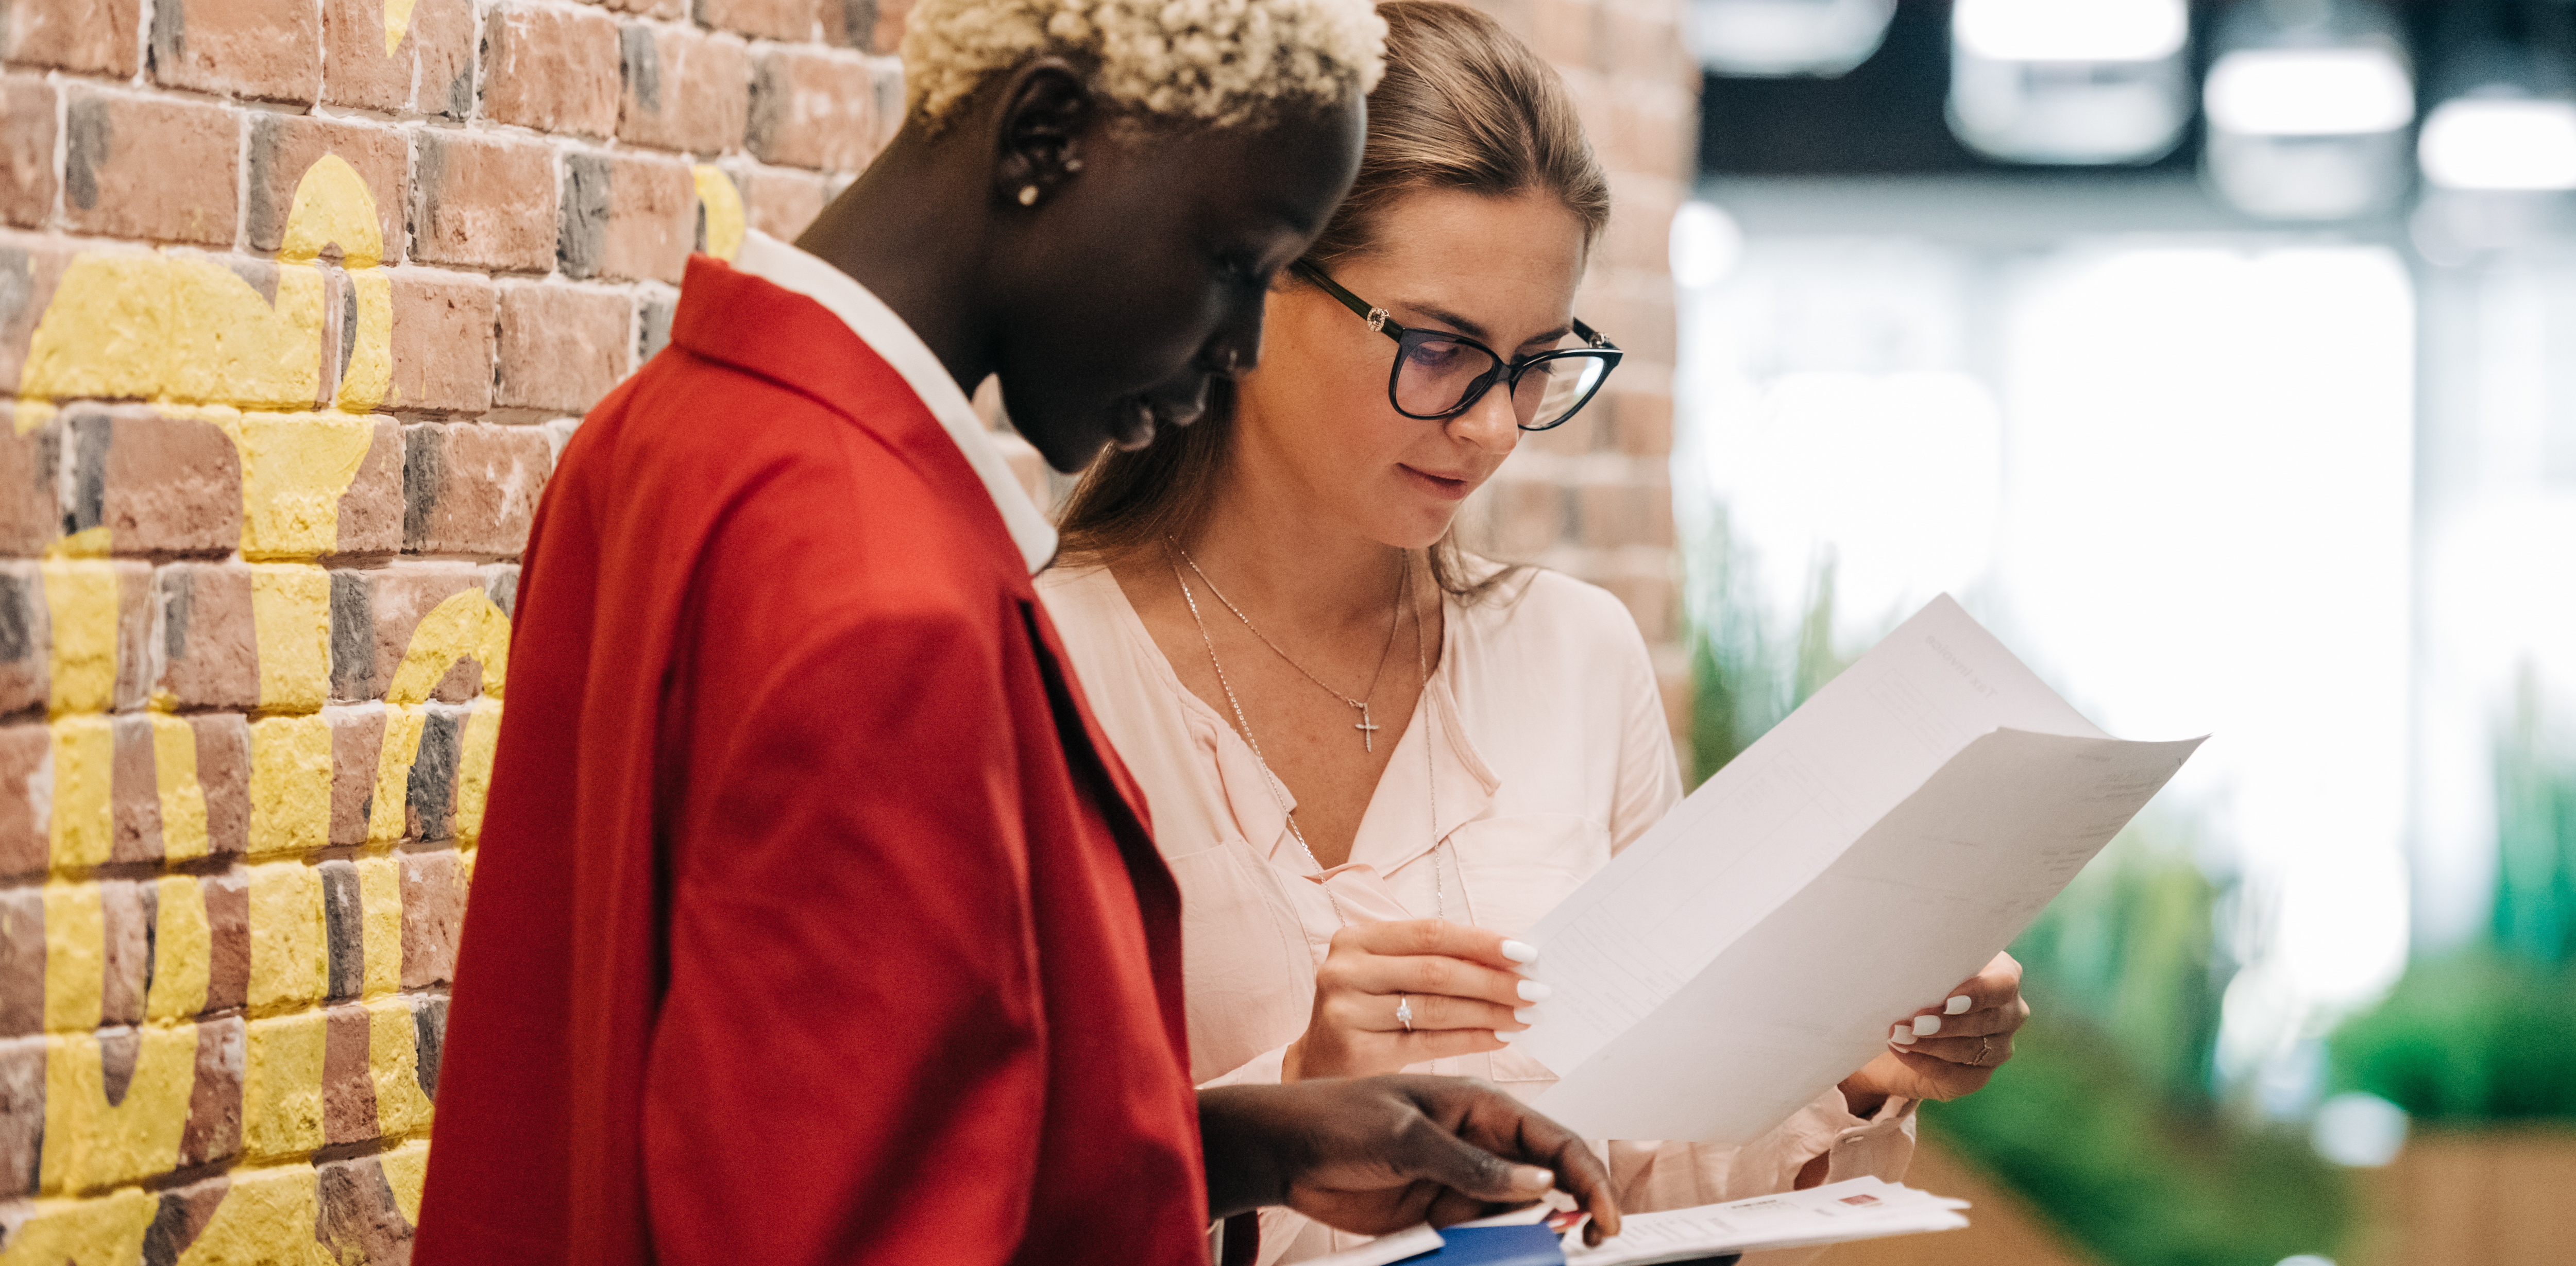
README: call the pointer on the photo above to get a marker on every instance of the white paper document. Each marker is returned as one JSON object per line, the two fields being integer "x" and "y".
{"x": 1862, "y": 1209}
{"x": 1873, "y": 850}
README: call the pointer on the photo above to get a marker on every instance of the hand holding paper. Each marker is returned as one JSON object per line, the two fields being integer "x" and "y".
{"x": 1879, "y": 845}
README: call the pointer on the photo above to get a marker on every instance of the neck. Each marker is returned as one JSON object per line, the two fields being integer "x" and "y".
{"x": 1276, "y": 555}
{"x": 899, "y": 231}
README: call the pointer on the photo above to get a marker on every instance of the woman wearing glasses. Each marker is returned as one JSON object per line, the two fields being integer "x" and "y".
{"x": 1370, "y": 757}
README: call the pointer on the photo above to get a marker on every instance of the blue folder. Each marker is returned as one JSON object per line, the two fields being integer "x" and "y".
{"x": 1493, "y": 1246}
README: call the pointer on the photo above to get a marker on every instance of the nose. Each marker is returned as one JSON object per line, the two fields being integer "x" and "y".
{"x": 1490, "y": 423}
{"x": 1235, "y": 348}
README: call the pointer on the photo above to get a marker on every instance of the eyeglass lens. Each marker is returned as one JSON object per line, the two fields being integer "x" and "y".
{"x": 1435, "y": 374}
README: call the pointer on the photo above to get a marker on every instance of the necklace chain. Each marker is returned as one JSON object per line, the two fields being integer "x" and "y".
{"x": 1395, "y": 618}
{"x": 1270, "y": 779}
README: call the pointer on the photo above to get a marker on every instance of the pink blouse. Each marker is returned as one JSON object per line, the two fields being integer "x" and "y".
{"x": 1538, "y": 751}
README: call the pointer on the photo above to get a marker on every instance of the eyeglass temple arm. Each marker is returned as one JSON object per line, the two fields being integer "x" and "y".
{"x": 1376, "y": 317}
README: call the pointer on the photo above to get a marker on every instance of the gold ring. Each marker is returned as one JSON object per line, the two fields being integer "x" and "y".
{"x": 1985, "y": 1047}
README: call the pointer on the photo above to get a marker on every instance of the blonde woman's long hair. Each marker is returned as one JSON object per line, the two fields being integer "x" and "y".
{"x": 1463, "y": 105}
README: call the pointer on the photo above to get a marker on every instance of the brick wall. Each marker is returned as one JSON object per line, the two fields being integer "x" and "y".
{"x": 298, "y": 301}
{"x": 1593, "y": 498}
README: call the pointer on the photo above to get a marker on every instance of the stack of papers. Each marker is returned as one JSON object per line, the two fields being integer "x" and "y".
{"x": 1861, "y": 1209}
{"x": 1873, "y": 850}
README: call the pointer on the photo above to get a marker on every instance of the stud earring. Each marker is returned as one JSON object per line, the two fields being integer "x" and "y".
{"x": 1073, "y": 164}
{"x": 1028, "y": 195}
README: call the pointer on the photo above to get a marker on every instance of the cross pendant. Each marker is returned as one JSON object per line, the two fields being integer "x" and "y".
{"x": 1368, "y": 731}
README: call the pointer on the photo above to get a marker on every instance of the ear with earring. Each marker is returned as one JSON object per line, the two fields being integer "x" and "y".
{"x": 1029, "y": 192}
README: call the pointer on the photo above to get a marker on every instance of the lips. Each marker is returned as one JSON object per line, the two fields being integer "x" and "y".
{"x": 1452, "y": 487}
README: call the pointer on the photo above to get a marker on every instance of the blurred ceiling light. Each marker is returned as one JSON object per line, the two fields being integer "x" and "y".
{"x": 2308, "y": 112}
{"x": 2070, "y": 81}
{"x": 2071, "y": 30}
{"x": 2310, "y": 92}
{"x": 2500, "y": 144}
{"x": 1776, "y": 38}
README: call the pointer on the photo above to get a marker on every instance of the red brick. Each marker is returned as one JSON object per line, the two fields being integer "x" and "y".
{"x": 205, "y": 645}
{"x": 30, "y": 515}
{"x": 96, "y": 36}
{"x": 25, "y": 668}
{"x": 134, "y": 808}
{"x": 223, "y": 769}
{"x": 228, "y": 927}
{"x": 266, "y": 50}
{"x": 22, "y": 1114}
{"x": 436, "y": 53}
{"x": 360, "y": 1219}
{"x": 795, "y": 21}
{"x": 133, "y": 633}
{"x": 628, "y": 217}
{"x": 471, "y": 488}
{"x": 284, "y": 146}
{"x": 371, "y": 507}
{"x": 561, "y": 348}
{"x": 22, "y": 961}
{"x": 483, "y": 201}
{"x": 555, "y": 70}
{"x": 357, "y": 735}
{"x": 443, "y": 324}
{"x": 25, "y": 847}
{"x": 213, "y": 1132}
{"x": 159, "y": 485}
{"x": 26, "y": 150}
{"x": 128, "y": 963}
{"x": 781, "y": 202}
{"x": 373, "y": 614}
{"x": 1641, "y": 421}
{"x": 813, "y": 109}
{"x": 29, "y": 267}
{"x": 150, "y": 168}
{"x": 684, "y": 90}
{"x": 348, "y": 1088}
{"x": 433, "y": 892}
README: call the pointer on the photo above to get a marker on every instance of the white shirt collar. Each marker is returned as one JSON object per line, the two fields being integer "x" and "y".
{"x": 788, "y": 268}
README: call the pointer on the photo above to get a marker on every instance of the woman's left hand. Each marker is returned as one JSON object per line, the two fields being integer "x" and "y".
{"x": 1939, "y": 1055}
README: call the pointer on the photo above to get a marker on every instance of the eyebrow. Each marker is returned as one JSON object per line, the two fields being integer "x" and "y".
{"x": 1478, "y": 332}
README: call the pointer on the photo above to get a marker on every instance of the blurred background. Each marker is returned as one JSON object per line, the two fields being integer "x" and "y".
{"x": 2221, "y": 357}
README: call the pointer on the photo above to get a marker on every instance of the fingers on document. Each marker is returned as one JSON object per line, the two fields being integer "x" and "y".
{"x": 1974, "y": 1024}
{"x": 1440, "y": 938}
{"x": 1428, "y": 974}
{"x": 1429, "y": 1012}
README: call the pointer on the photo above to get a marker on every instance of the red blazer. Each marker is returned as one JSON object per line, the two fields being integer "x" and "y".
{"x": 813, "y": 919}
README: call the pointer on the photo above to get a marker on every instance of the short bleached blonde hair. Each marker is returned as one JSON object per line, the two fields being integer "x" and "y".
{"x": 1215, "y": 62}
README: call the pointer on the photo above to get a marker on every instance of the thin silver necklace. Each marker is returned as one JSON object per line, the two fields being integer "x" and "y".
{"x": 1270, "y": 779}
{"x": 1394, "y": 618}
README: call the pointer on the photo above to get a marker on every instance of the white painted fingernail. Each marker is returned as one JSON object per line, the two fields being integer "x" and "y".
{"x": 1501, "y": 1036}
{"x": 1533, "y": 991}
{"x": 1926, "y": 1025}
{"x": 1520, "y": 951}
{"x": 1903, "y": 1036}
{"x": 1526, "y": 1015}
{"x": 1959, "y": 1005}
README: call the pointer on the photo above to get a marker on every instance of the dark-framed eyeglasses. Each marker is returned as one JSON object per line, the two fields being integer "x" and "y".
{"x": 1439, "y": 375}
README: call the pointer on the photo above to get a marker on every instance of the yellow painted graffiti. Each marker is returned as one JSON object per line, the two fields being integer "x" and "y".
{"x": 183, "y": 798}
{"x": 721, "y": 204}
{"x": 110, "y": 1229}
{"x": 92, "y": 1143}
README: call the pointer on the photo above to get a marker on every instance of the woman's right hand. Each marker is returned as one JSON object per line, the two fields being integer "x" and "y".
{"x": 1457, "y": 982}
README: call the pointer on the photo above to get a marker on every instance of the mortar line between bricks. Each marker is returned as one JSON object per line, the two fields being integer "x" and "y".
{"x": 55, "y": 215}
